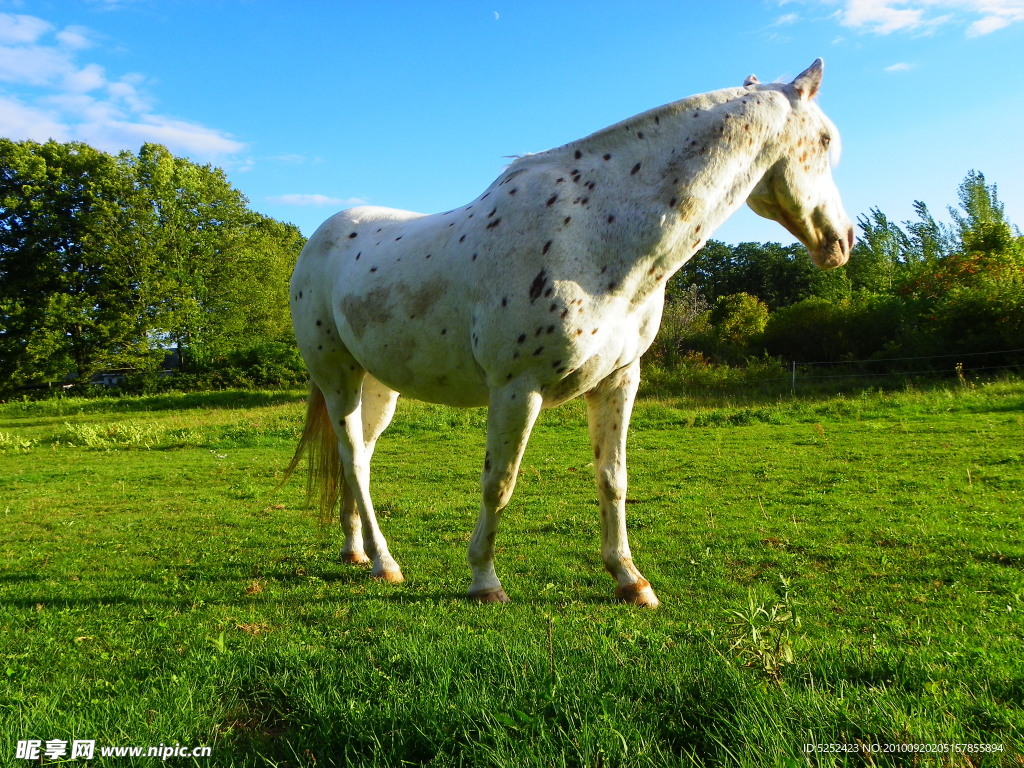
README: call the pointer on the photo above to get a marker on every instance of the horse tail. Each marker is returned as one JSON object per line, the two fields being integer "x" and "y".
{"x": 325, "y": 481}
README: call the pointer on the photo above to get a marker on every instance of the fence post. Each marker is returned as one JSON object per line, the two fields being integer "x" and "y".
{"x": 792, "y": 384}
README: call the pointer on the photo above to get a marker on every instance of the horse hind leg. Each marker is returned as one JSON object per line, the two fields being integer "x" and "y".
{"x": 378, "y": 406}
{"x": 353, "y": 550}
{"x": 344, "y": 397}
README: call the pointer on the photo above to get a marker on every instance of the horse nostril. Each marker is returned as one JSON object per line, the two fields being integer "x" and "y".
{"x": 850, "y": 237}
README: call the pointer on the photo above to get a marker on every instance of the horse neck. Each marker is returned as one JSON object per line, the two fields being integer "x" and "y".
{"x": 699, "y": 159}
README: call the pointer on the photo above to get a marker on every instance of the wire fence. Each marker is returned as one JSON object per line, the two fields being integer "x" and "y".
{"x": 957, "y": 355}
{"x": 948, "y": 365}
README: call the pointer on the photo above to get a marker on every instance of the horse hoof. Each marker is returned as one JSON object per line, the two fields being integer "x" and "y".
{"x": 354, "y": 558}
{"x": 392, "y": 577}
{"x": 638, "y": 594}
{"x": 489, "y": 596}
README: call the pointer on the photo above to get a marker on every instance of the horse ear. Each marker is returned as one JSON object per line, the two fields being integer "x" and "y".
{"x": 751, "y": 80}
{"x": 808, "y": 82}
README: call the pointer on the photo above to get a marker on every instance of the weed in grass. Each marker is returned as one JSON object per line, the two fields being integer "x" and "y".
{"x": 762, "y": 635}
{"x": 9, "y": 442}
{"x": 106, "y": 437}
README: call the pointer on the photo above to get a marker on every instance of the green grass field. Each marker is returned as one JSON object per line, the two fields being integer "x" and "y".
{"x": 841, "y": 570}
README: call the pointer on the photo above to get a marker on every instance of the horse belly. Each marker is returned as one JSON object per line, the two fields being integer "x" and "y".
{"x": 428, "y": 375}
{"x": 412, "y": 336}
{"x": 631, "y": 337}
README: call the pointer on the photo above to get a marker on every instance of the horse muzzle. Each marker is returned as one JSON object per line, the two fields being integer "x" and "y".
{"x": 834, "y": 250}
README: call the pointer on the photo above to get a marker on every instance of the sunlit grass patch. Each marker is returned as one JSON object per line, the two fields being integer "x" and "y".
{"x": 153, "y": 588}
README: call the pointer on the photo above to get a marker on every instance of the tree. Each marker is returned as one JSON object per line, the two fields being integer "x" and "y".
{"x": 981, "y": 250}
{"x": 194, "y": 227}
{"x": 976, "y": 294}
{"x": 71, "y": 290}
{"x": 983, "y": 227}
{"x": 879, "y": 255}
{"x": 106, "y": 261}
{"x": 777, "y": 274}
{"x": 709, "y": 269}
{"x": 223, "y": 269}
{"x": 930, "y": 241}
{"x": 255, "y": 286}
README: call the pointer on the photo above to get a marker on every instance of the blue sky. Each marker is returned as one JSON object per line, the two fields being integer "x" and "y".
{"x": 311, "y": 107}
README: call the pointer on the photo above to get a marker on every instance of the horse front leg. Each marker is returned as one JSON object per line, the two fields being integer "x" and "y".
{"x": 609, "y": 406}
{"x": 510, "y": 418}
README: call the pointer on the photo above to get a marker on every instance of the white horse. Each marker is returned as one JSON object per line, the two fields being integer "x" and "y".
{"x": 548, "y": 286}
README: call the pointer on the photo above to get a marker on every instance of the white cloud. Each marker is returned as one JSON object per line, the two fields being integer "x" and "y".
{"x": 32, "y": 64}
{"x": 128, "y": 92}
{"x": 786, "y": 19}
{"x": 312, "y": 200}
{"x": 21, "y": 120}
{"x": 185, "y": 138}
{"x": 884, "y": 17}
{"x": 20, "y": 29}
{"x": 297, "y": 159}
{"x": 75, "y": 38}
{"x": 1001, "y": 16}
{"x": 49, "y": 93}
{"x": 111, "y": 5}
{"x": 89, "y": 78}
{"x": 900, "y": 66}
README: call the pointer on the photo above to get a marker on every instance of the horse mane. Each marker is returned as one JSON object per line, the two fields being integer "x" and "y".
{"x": 625, "y": 130}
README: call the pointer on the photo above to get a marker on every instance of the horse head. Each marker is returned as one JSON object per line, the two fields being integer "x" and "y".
{"x": 797, "y": 191}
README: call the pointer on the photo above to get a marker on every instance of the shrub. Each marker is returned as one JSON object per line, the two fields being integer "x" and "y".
{"x": 728, "y": 333}
{"x": 684, "y": 322}
{"x": 272, "y": 364}
{"x": 738, "y": 319}
{"x": 268, "y": 364}
{"x": 807, "y": 330}
{"x": 987, "y": 318}
{"x": 123, "y": 434}
{"x": 695, "y": 373}
{"x": 855, "y": 329}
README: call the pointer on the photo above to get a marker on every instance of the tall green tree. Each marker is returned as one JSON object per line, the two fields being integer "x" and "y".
{"x": 981, "y": 224}
{"x": 222, "y": 269}
{"x": 982, "y": 248}
{"x": 975, "y": 294}
{"x": 106, "y": 262}
{"x": 930, "y": 241}
{"x": 880, "y": 254}
{"x": 254, "y": 283}
{"x": 195, "y": 225}
{"x": 72, "y": 292}
{"x": 779, "y": 275}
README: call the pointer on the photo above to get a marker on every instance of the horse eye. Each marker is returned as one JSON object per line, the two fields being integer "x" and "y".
{"x": 826, "y": 140}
